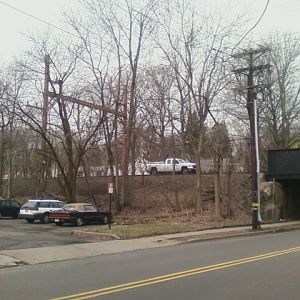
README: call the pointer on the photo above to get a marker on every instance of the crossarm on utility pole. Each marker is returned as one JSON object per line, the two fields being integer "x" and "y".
{"x": 88, "y": 104}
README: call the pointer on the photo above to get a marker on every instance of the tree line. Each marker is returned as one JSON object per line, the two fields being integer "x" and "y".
{"x": 141, "y": 81}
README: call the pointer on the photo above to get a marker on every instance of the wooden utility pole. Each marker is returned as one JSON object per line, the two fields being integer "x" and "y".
{"x": 249, "y": 72}
{"x": 45, "y": 109}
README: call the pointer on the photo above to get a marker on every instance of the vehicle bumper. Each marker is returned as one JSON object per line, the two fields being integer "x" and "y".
{"x": 30, "y": 216}
{"x": 63, "y": 219}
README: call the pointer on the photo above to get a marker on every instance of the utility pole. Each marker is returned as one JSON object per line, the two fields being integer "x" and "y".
{"x": 45, "y": 109}
{"x": 250, "y": 72}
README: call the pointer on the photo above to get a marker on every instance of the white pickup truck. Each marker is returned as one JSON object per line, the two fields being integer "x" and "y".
{"x": 181, "y": 166}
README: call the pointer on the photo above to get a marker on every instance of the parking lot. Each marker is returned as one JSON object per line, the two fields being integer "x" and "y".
{"x": 18, "y": 234}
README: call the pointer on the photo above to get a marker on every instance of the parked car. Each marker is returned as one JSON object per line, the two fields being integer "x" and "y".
{"x": 170, "y": 164}
{"x": 9, "y": 208}
{"x": 36, "y": 209}
{"x": 79, "y": 214}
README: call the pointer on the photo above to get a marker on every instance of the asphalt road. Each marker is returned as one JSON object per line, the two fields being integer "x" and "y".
{"x": 256, "y": 267}
{"x": 18, "y": 234}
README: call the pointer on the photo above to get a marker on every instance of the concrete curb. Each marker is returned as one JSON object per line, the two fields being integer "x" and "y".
{"x": 236, "y": 234}
{"x": 102, "y": 236}
{"x": 8, "y": 261}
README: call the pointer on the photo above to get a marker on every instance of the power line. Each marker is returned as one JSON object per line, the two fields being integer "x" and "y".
{"x": 45, "y": 22}
{"x": 261, "y": 16}
{"x": 123, "y": 7}
{"x": 38, "y": 19}
{"x": 118, "y": 4}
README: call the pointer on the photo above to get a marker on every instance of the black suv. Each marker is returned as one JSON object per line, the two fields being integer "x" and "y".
{"x": 9, "y": 208}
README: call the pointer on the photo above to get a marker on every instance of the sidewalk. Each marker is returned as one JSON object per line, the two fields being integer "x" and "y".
{"x": 32, "y": 256}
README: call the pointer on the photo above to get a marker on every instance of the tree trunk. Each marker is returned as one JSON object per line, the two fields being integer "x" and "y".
{"x": 2, "y": 151}
{"x": 198, "y": 205}
{"x": 175, "y": 188}
{"x": 217, "y": 195}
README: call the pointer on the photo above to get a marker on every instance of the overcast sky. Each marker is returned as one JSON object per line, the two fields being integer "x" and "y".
{"x": 281, "y": 15}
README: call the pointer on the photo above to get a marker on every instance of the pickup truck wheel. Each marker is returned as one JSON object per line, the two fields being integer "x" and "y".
{"x": 184, "y": 171}
{"x": 79, "y": 222}
{"x": 30, "y": 221}
{"x": 153, "y": 171}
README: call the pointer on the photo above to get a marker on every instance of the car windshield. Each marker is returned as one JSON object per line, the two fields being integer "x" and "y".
{"x": 69, "y": 207}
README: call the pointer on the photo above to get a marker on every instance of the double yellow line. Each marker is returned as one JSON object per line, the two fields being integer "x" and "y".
{"x": 173, "y": 276}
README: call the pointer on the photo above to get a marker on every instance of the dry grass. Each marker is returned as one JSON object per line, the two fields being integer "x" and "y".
{"x": 144, "y": 230}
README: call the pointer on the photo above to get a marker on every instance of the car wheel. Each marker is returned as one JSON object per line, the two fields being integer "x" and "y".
{"x": 79, "y": 222}
{"x": 59, "y": 223}
{"x": 153, "y": 171}
{"x": 0, "y": 216}
{"x": 30, "y": 221}
{"x": 45, "y": 219}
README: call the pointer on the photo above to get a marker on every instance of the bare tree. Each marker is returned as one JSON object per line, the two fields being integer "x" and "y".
{"x": 71, "y": 129}
{"x": 220, "y": 148}
{"x": 3, "y": 135}
{"x": 127, "y": 28}
{"x": 280, "y": 103}
{"x": 104, "y": 87}
{"x": 196, "y": 54}
{"x": 157, "y": 101}
{"x": 11, "y": 89}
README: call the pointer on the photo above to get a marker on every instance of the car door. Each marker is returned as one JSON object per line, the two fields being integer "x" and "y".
{"x": 54, "y": 206}
{"x": 91, "y": 214}
{"x": 13, "y": 208}
{"x": 6, "y": 209}
{"x": 44, "y": 207}
{"x": 177, "y": 165}
{"x": 168, "y": 166}
{"x": 3, "y": 208}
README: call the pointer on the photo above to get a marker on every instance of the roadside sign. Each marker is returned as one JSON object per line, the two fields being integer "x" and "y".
{"x": 110, "y": 188}
{"x": 110, "y": 192}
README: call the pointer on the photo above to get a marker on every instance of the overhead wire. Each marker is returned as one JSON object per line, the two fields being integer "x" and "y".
{"x": 257, "y": 22}
{"x": 119, "y": 4}
{"x": 45, "y": 22}
{"x": 37, "y": 18}
{"x": 77, "y": 36}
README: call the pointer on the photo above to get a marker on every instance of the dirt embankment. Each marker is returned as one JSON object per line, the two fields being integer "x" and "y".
{"x": 161, "y": 199}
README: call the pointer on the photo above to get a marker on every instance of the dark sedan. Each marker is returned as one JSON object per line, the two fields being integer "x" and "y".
{"x": 79, "y": 214}
{"x": 9, "y": 208}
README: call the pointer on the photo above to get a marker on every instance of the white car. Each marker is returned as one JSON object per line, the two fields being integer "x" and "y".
{"x": 36, "y": 209}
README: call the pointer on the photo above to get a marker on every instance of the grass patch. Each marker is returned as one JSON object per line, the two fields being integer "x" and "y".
{"x": 144, "y": 230}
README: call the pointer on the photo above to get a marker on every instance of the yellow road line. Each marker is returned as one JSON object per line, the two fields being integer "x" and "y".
{"x": 173, "y": 276}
